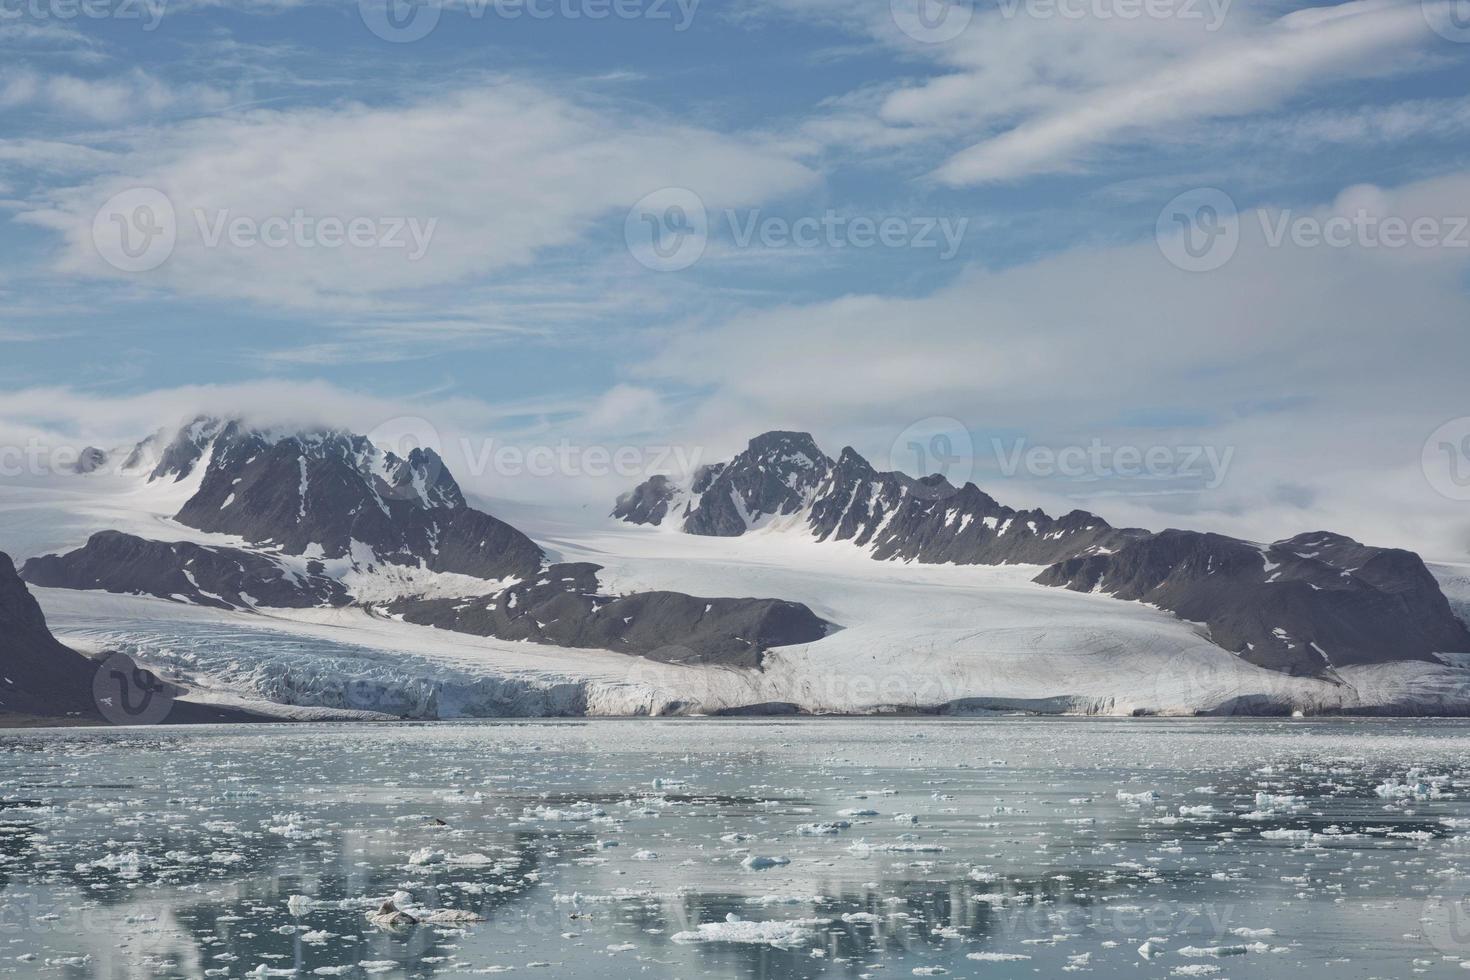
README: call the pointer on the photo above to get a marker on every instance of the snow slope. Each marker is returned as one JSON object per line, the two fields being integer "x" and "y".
{"x": 912, "y": 637}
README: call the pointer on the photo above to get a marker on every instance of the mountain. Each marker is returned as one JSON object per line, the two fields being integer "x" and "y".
{"x": 221, "y": 578}
{"x": 38, "y": 675}
{"x": 335, "y": 495}
{"x": 562, "y": 607}
{"x": 328, "y": 519}
{"x": 892, "y": 514}
{"x": 1304, "y": 606}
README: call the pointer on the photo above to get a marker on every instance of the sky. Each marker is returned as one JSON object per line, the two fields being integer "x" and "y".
{"x": 1191, "y": 263}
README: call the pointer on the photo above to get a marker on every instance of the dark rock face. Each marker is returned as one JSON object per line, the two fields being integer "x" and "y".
{"x": 335, "y": 495}
{"x": 1303, "y": 606}
{"x": 647, "y": 503}
{"x": 179, "y": 457}
{"x": 38, "y": 675}
{"x": 896, "y": 516}
{"x": 777, "y": 474}
{"x": 562, "y": 607}
{"x": 222, "y": 578}
{"x": 91, "y": 460}
{"x": 929, "y": 520}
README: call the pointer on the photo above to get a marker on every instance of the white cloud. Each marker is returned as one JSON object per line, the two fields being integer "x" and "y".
{"x": 109, "y": 99}
{"x": 503, "y": 170}
{"x": 1027, "y": 89}
{"x": 1317, "y": 364}
{"x": 1241, "y": 74}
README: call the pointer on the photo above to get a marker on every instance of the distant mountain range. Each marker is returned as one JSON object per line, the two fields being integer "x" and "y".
{"x": 298, "y": 520}
{"x": 1303, "y": 606}
{"x": 317, "y": 509}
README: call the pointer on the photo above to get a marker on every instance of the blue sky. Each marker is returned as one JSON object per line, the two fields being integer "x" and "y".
{"x": 1047, "y": 140}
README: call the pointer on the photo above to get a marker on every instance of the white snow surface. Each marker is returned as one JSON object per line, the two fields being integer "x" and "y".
{"x": 906, "y": 637}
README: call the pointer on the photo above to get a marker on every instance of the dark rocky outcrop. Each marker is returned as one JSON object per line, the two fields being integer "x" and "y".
{"x": 39, "y": 676}
{"x": 924, "y": 519}
{"x": 562, "y": 607}
{"x": 776, "y": 474}
{"x": 647, "y": 503}
{"x": 1305, "y": 605}
{"x": 90, "y": 460}
{"x": 335, "y": 495}
{"x": 929, "y": 520}
{"x": 222, "y": 578}
{"x": 178, "y": 457}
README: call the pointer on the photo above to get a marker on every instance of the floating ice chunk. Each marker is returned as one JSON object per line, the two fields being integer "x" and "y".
{"x": 389, "y": 916}
{"x": 1395, "y": 790}
{"x": 796, "y": 932}
{"x": 784, "y": 900}
{"x": 1138, "y": 799}
{"x": 1217, "y": 951}
{"x": 756, "y": 862}
{"x": 1285, "y": 834}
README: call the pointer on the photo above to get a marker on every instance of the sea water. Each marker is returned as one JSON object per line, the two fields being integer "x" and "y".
{"x": 997, "y": 847}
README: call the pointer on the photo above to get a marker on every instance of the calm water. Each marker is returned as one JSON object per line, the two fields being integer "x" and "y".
{"x": 819, "y": 848}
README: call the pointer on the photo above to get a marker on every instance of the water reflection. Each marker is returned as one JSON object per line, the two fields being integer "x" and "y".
{"x": 603, "y": 849}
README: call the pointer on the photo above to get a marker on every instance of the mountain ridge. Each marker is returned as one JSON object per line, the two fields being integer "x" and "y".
{"x": 316, "y": 506}
{"x": 1279, "y": 606}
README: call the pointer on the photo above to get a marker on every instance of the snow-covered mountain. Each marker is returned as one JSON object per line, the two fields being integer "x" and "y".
{"x": 322, "y": 518}
{"x": 1303, "y": 606}
{"x": 329, "y": 584}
